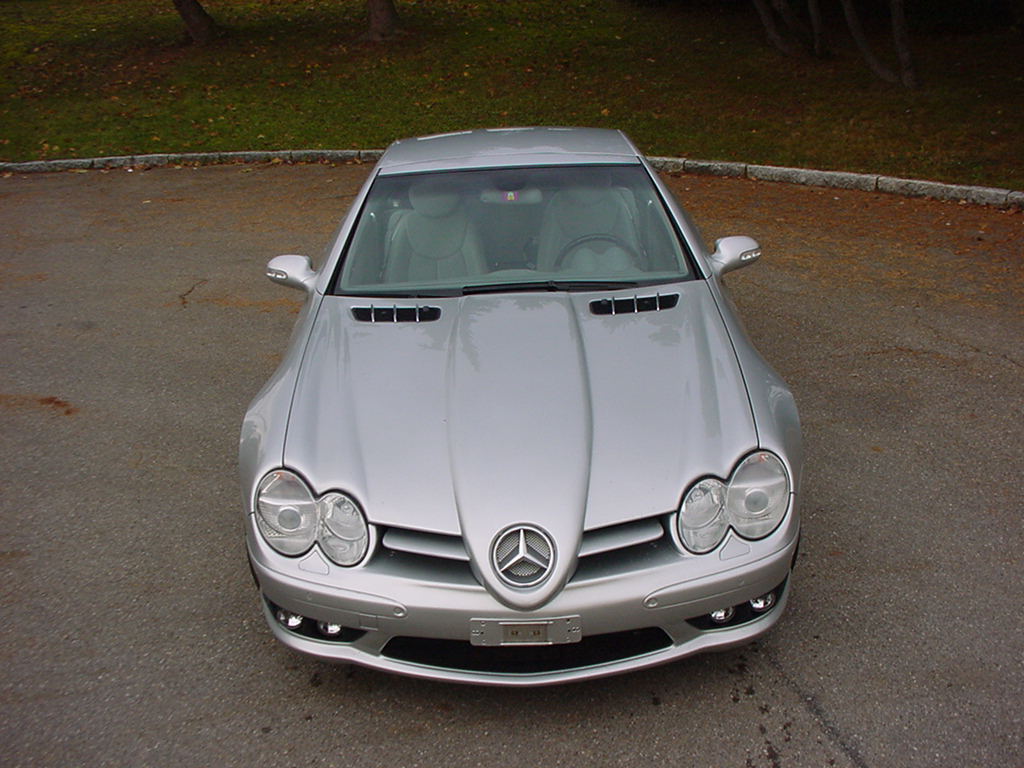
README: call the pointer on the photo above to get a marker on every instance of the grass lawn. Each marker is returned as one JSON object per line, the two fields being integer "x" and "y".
{"x": 96, "y": 77}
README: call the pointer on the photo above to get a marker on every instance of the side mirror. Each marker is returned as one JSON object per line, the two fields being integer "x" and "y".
{"x": 734, "y": 252}
{"x": 291, "y": 270}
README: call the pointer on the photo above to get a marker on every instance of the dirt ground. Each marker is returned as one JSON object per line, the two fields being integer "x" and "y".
{"x": 933, "y": 251}
{"x": 137, "y": 324}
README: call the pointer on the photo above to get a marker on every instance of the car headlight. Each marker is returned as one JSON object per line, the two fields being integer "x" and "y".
{"x": 702, "y": 518}
{"x": 753, "y": 502}
{"x": 344, "y": 536}
{"x": 758, "y": 495}
{"x": 286, "y": 512}
{"x": 291, "y": 519}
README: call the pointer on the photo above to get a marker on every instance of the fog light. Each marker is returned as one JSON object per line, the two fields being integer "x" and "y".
{"x": 288, "y": 619}
{"x": 722, "y": 615}
{"x": 329, "y": 628}
{"x": 763, "y": 603}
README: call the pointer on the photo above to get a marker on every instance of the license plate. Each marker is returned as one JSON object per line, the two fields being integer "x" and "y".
{"x": 494, "y": 632}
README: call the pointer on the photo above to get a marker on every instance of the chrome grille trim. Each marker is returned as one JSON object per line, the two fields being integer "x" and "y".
{"x": 621, "y": 536}
{"x": 423, "y": 543}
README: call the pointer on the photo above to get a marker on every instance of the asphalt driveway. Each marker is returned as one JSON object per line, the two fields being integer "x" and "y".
{"x": 137, "y": 325}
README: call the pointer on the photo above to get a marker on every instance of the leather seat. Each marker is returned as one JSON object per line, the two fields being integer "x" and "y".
{"x": 579, "y": 211}
{"x": 434, "y": 240}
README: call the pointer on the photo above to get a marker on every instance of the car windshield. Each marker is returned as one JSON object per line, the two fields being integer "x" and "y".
{"x": 498, "y": 230}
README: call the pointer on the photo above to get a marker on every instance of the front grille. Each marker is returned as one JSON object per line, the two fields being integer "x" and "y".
{"x": 461, "y": 655}
{"x": 618, "y": 547}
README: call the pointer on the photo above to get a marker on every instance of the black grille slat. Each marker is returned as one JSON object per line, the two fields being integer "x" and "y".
{"x": 460, "y": 654}
{"x": 634, "y": 304}
{"x": 647, "y": 304}
{"x": 396, "y": 314}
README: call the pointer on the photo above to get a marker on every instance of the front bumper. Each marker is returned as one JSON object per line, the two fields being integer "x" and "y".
{"x": 398, "y": 621}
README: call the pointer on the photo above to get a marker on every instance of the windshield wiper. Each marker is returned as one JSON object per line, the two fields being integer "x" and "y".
{"x": 440, "y": 293}
{"x": 550, "y": 285}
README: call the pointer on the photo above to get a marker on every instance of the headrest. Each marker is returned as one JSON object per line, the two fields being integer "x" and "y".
{"x": 588, "y": 187}
{"x": 585, "y": 196}
{"x": 433, "y": 199}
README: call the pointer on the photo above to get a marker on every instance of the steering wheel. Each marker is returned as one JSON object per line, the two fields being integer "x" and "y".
{"x": 572, "y": 245}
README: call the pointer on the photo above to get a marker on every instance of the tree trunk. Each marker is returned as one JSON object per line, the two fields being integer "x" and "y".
{"x": 383, "y": 19}
{"x": 200, "y": 25}
{"x": 796, "y": 27}
{"x": 771, "y": 29}
{"x": 817, "y": 29}
{"x": 873, "y": 62}
{"x": 908, "y": 76}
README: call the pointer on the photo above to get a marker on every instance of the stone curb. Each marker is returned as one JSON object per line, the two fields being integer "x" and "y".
{"x": 195, "y": 158}
{"x": 1000, "y": 198}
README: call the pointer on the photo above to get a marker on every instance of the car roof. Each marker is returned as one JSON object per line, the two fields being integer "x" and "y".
{"x": 509, "y": 147}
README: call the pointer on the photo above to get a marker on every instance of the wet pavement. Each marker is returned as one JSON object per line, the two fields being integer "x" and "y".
{"x": 137, "y": 324}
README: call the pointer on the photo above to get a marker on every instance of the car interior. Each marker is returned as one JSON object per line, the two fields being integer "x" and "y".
{"x": 577, "y": 222}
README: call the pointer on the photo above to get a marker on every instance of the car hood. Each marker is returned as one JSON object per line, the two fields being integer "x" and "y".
{"x": 519, "y": 409}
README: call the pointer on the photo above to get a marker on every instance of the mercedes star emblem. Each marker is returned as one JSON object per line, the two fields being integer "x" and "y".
{"x": 522, "y": 556}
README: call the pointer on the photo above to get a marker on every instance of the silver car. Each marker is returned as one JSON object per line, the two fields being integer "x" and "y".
{"x": 519, "y": 436}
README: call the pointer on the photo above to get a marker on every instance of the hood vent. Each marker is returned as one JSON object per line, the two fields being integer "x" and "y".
{"x": 396, "y": 314}
{"x": 634, "y": 304}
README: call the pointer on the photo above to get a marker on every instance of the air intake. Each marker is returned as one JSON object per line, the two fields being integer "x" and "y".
{"x": 634, "y": 304}
{"x": 396, "y": 314}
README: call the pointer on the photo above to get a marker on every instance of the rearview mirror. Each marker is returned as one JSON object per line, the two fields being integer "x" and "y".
{"x": 291, "y": 270}
{"x": 734, "y": 252}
